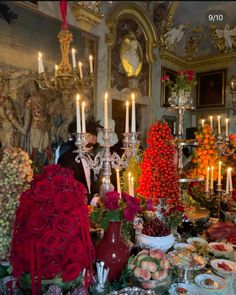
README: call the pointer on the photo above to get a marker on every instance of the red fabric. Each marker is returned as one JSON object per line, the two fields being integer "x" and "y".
{"x": 51, "y": 231}
{"x": 63, "y": 9}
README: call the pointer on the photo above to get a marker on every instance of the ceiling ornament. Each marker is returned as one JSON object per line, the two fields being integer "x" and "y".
{"x": 193, "y": 38}
{"x": 224, "y": 39}
{"x": 87, "y": 14}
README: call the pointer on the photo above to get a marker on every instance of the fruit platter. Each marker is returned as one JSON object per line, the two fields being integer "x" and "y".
{"x": 220, "y": 249}
{"x": 155, "y": 234}
{"x": 150, "y": 269}
{"x": 223, "y": 267}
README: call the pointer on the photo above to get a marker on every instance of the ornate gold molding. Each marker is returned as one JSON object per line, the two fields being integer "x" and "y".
{"x": 136, "y": 13}
{"x": 87, "y": 18}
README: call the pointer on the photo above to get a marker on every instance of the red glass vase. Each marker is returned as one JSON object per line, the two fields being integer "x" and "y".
{"x": 113, "y": 250}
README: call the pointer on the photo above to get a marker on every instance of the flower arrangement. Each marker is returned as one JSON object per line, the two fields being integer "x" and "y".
{"x": 159, "y": 178}
{"x": 206, "y": 154}
{"x": 174, "y": 215}
{"x": 51, "y": 236}
{"x": 118, "y": 208}
{"x": 185, "y": 80}
{"x": 15, "y": 176}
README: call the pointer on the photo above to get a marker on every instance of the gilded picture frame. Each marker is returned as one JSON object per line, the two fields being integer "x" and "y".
{"x": 211, "y": 89}
{"x": 131, "y": 55}
{"x": 165, "y": 91}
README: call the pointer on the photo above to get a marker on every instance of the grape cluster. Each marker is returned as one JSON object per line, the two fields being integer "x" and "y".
{"x": 159, "y": 177}
{"x": 15, "y": 176}
{"x": 156, "y": 228}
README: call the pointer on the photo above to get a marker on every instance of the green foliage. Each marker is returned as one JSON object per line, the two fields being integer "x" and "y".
{"x": 102, "y": 217}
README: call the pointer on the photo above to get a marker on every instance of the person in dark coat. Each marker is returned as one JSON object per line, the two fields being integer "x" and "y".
{"x": 82, "y": 171}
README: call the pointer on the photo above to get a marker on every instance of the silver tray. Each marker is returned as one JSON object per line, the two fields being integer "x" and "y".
{"x": 132, "y": 291}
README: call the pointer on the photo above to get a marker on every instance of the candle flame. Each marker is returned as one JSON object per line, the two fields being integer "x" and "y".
{"x": 226, "y": 120}
{"x": 40, "y": 55}
{"x": 80, "y": 64}
{"x": 129, "y": 174}
{"x": 90, "y": 57}
{"x": 56, "y": 68}
{"x": 211, "y": 117}
{"x": 83, "y": 104}
{"x": 219, "y": 117}
{"x": 212, "y": 167}
{"x": 208, "y": 168}
{"x": 132, "y": 96}
{"x": 127, "y": 103}
{"x": 117, "y": 170}
{"x": 220, "y": 162}
{"x": 73, "y": 50}
{"x": 77, "y": 97}
{"x": 229, "y": 169}
{"x": 132, "y": 179}
{"x": 106, "y": 96}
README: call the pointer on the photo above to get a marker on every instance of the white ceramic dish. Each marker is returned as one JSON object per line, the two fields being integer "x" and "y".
{"x": 164, "y": 243}
{"x": 184, "y": 246}
{"x": 225, "y": 251}
{"x": 217, "y": 282}
{"x": 191, "y": 289}
{"x": 220, "y": 271}
{"x": 196, "y": 239}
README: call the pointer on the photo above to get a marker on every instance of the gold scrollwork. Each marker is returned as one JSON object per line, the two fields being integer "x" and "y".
{"x": 193, "y": 38}
{"x": 224, "y": 38}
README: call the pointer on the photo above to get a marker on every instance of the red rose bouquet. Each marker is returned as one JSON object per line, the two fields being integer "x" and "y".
{"x": 51, "y": 233}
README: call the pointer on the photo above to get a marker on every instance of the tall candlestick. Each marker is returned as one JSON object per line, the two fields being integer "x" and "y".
{"x": 91, "y": 63}
{"x": 211, "y": 121}
{"x": 219, "y": 127}
{"x": 133, "y": 120}
{"x": 203, "y": 121}
{"x": 219, "y": 173}
{"x": 80, "y": 70}
{"x": 132, "y": 186}
{"x": 73, "y": 58}
{"x": 226, "y": 127}
{"x": 129, "y": 183}
{"x": 83, "y": 117}
{"x": 227, "y": 182}
{"x": 118, "y": 180}
{"x": 230, "y": 180}
{"x": 78, "y": 123}
{"x": 127, "y": 118}
{"x": 40, "y": 63}
{"x": 207, "y": 179}
{"x": 212, "y": 178}
{"x": 106, "y": 111}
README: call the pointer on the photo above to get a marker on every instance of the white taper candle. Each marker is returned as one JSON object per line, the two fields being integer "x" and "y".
{"x": 91, "y": 63}
{"x": 73, "y": 58}
{"x": 83, "y": 117}
{"x": 80, "y": 70}
{"x": 133, "y": 119}
{"x": 106, "y": 111}
{"x": 78, "y": 123}
{"x": 127, "y": 118}
{"x": 207, "y": 179}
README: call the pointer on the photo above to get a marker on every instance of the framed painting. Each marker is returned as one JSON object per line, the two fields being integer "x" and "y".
{"x": 211, "y": 89}
{"x": 165, "y": 91}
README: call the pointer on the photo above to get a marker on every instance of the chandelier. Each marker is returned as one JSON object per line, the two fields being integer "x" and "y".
{"x": 66, "y": 76}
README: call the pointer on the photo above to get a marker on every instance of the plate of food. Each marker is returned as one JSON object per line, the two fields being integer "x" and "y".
{"x": 220, "y": 249}
{"x": 186, "y": 259}
{"x": 183, "y": 289}
{"x": 223, "y": 267}
{"x": 178, "y": 246}
{"x": 208, "y": 281}
{"x": 195, "y": 240}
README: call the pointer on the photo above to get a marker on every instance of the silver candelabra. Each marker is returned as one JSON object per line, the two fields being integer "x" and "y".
{"x": 105, "y": 160}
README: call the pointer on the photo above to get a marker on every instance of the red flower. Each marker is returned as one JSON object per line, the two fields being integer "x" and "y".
{"x": 128, "y": 214}
{"x": 165, "y": 78}
{"x": 41, "y": 190}
{"x": 149, "y": 205}
{"x": 66, "y": 226}
{"x": 38, "y": 222}
{"x": 112, "y": 200}
{"x": 51, "y": 240}
{"x": 64, "y": 201}
{"x": 71, "y": 272}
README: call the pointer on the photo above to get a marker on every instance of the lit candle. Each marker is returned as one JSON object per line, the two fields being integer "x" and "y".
{"x": 118, "y": 180}
{"x": 80, "y": 70}
{"x": 127, "y": 118}
{"x": 83, "y": 117}
{"x": 227, "y": 182}
{"x": 129, "y": 183}
{"x": 230, "y": 180}
{"x": 133, "y": 121}
{"x": 106, "y": 111}
{"x": 226, "y": 127}
{"x": 212, "y": 178}
{"x": 219, "y": 127}
{"x": 132, "y": 186}
{"x": 78, "y": 123}
{"x": 203, "y": 121}
{"x": 91, "y": 63}
{"x": 40, "y": 63}
{"x": 73, "y": 58}
{"x": 219, "y": 173}
{"x": 207, "y": 179}
{"x": 211, "y": 121}
{"x": 56, "y": 69}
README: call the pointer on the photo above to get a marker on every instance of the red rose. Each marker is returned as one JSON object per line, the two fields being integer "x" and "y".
{"x": 128, "y": 214}
{"x": 149, "y": 204}
{"x": 66, "y": 226}
{"x": 71, "y": 272}
{"x": 51, "y": 170}
{"x": 73, "y": 253}
{"x": 38, "y": 223}
{"x": 47, "y": 208}
{"x": 50, "y": 271}
{"x": 64, "y": 201}
{"x": 51, "y": 240}
{"x": 42, "y": 190}
{"x": 112, "y": 200}
{"x": 59, "y": 182}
